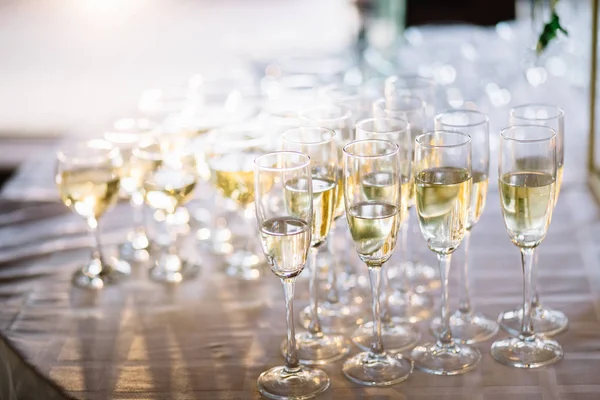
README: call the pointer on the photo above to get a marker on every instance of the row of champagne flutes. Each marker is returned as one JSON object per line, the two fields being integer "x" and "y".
{"x": 449, "y": 170}
{"x": 90, "y": 194}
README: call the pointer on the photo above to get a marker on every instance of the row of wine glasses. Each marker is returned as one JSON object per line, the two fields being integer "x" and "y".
{"x": 443, "y": 191}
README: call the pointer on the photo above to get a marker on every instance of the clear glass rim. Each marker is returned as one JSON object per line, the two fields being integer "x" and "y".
{"x": 399, "y": 121}
{"x": 484, "y": 118}
{"x": 504, "y": 133}
{"x": 304, "y": 164}
{"x": 419, "y": 139}
{"x": 348, "y": 92}
{"x": 559, "y": 112}
{"x": 231, "y": 134}
{"x": 105, "y": 149}
{"x": 328, "y": 133}
{"x": 422, "y": 81}
{"x": 393, "y": 148}
{"x": 132, "y": 131}
{"x": 344, "y": 113}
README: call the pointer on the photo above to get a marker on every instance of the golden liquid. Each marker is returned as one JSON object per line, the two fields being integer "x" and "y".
{"x": 442, "y": 199}
{"x": 340, "y": 208}
{"x": 233, "y": 176}
{"x": 89, "y": 192}
{"x": 374, "y": 228}
{"x": 166, "y": 188}
{"x": 527, "y": 201}
{"x": 478, "y": 197}
{"x": 324, "y": 192}
{"x": 285, "y": 242}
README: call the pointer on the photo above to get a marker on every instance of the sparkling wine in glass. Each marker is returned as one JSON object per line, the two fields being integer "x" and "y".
{"x": 230, "y": 155}
{"x": 315, "y": 346}
{"x": 285, "y": 224}
{"x": 467, "y": 325}
{"x": 527, "y": 177}
{"x": 126, "y": 134}
{"x": 546, "y": 320}
{"x": 88, "y": 180}
{"x": 443, "y": 184}
{"x": 169, "y": 181}
{"x": 374, "y": 213}
{"x": 396, "y": 333}
{"x": 340, "y": 309}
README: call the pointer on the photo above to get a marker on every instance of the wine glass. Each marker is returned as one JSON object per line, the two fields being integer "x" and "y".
{"x": 88, "y": 179}
{"x": 284, "y": 220}
{"x": 340, "y": 309}
{"x": 373, "y": 213}
{"x": 527, "y": 170}
{"x": 351, "y": 97}
{"x": 442, "y": 196}
{"x": 397, "y": 335}
{"x": 422, "y": 277}
{"x": 546, "y": 321}
{"x": 230, "y": 155}
{"x": 315, "y": 347}
{"x": 169, "y": 171}
{"x": 468, "y": 326}
{"x": 415, "y": 85}
{"x": 126, "y": 134}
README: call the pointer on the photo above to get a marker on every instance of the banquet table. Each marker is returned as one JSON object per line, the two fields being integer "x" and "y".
{"x": 210, "y": 337}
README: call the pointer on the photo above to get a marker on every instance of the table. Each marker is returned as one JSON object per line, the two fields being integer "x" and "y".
{"x": 211, "y": 337}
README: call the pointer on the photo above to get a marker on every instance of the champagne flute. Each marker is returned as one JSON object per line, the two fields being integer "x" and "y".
{"x": 88, "y": 179}
{"x": 373, "y": 214}
{"x": 546, "y": 321}
{"x": 315, "y": 347}
{"x": 468, "y": 326}
{"x": 169, "y": 181}
{"x": 126, "y": 134}
{"x": 442, "y": 196}
{"x": 351, "y": 97}
{"x": 230, "y": 155}
{"x": 397, "y": 335}
{"x": 527, "y": 176}
{"x": 338, "y": 311}
{"x": 422, "y": 277}
{"x": 284, "y": 220}
{"x": 415, "y": 85}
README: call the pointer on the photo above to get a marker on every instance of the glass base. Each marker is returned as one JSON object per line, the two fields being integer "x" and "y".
{"x": 467, "y": 328}
{"x": 423, "y": 277}
{"x": 449, "y": 359}
{"x": 410, "y": 307}
{"x": 318, "y": 349}
{"x": 396, "y": 336}
{"x": 137, "y": 247}
{"x": 95, "y": 275}
{"x": 245, "y": 265}
{"x": 532, "y": 352}
{"x": 172, "y": 269}
{"x": 303, "y": 383}
{"x": 546, "y": 321}
{"x": 334, "y": 317}
{"x": 369, "y": 369}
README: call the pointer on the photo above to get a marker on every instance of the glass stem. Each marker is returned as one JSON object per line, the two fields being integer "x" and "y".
{"x": 171, "y": 234}
{"x": 332, "y": 296}
{"x": 386, "y": 316}
{"x": 291, "y": 358}
{"x": 406, "y": 254}
{"x": 97, "y": 253}
{"x": 527, "y": 257}
{"x": 315, "y": 324}
{"x": 445, "y": 338}
{"x": 464, "y": 302}
{"x": 535, "y": 301}
{"x": 375, "y": 277}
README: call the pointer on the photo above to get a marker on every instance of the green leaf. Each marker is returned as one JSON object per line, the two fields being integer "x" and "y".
{"x": 550, "y": 32}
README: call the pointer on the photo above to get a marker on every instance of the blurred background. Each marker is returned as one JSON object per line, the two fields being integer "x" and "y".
{"x": 73, "y": 67}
